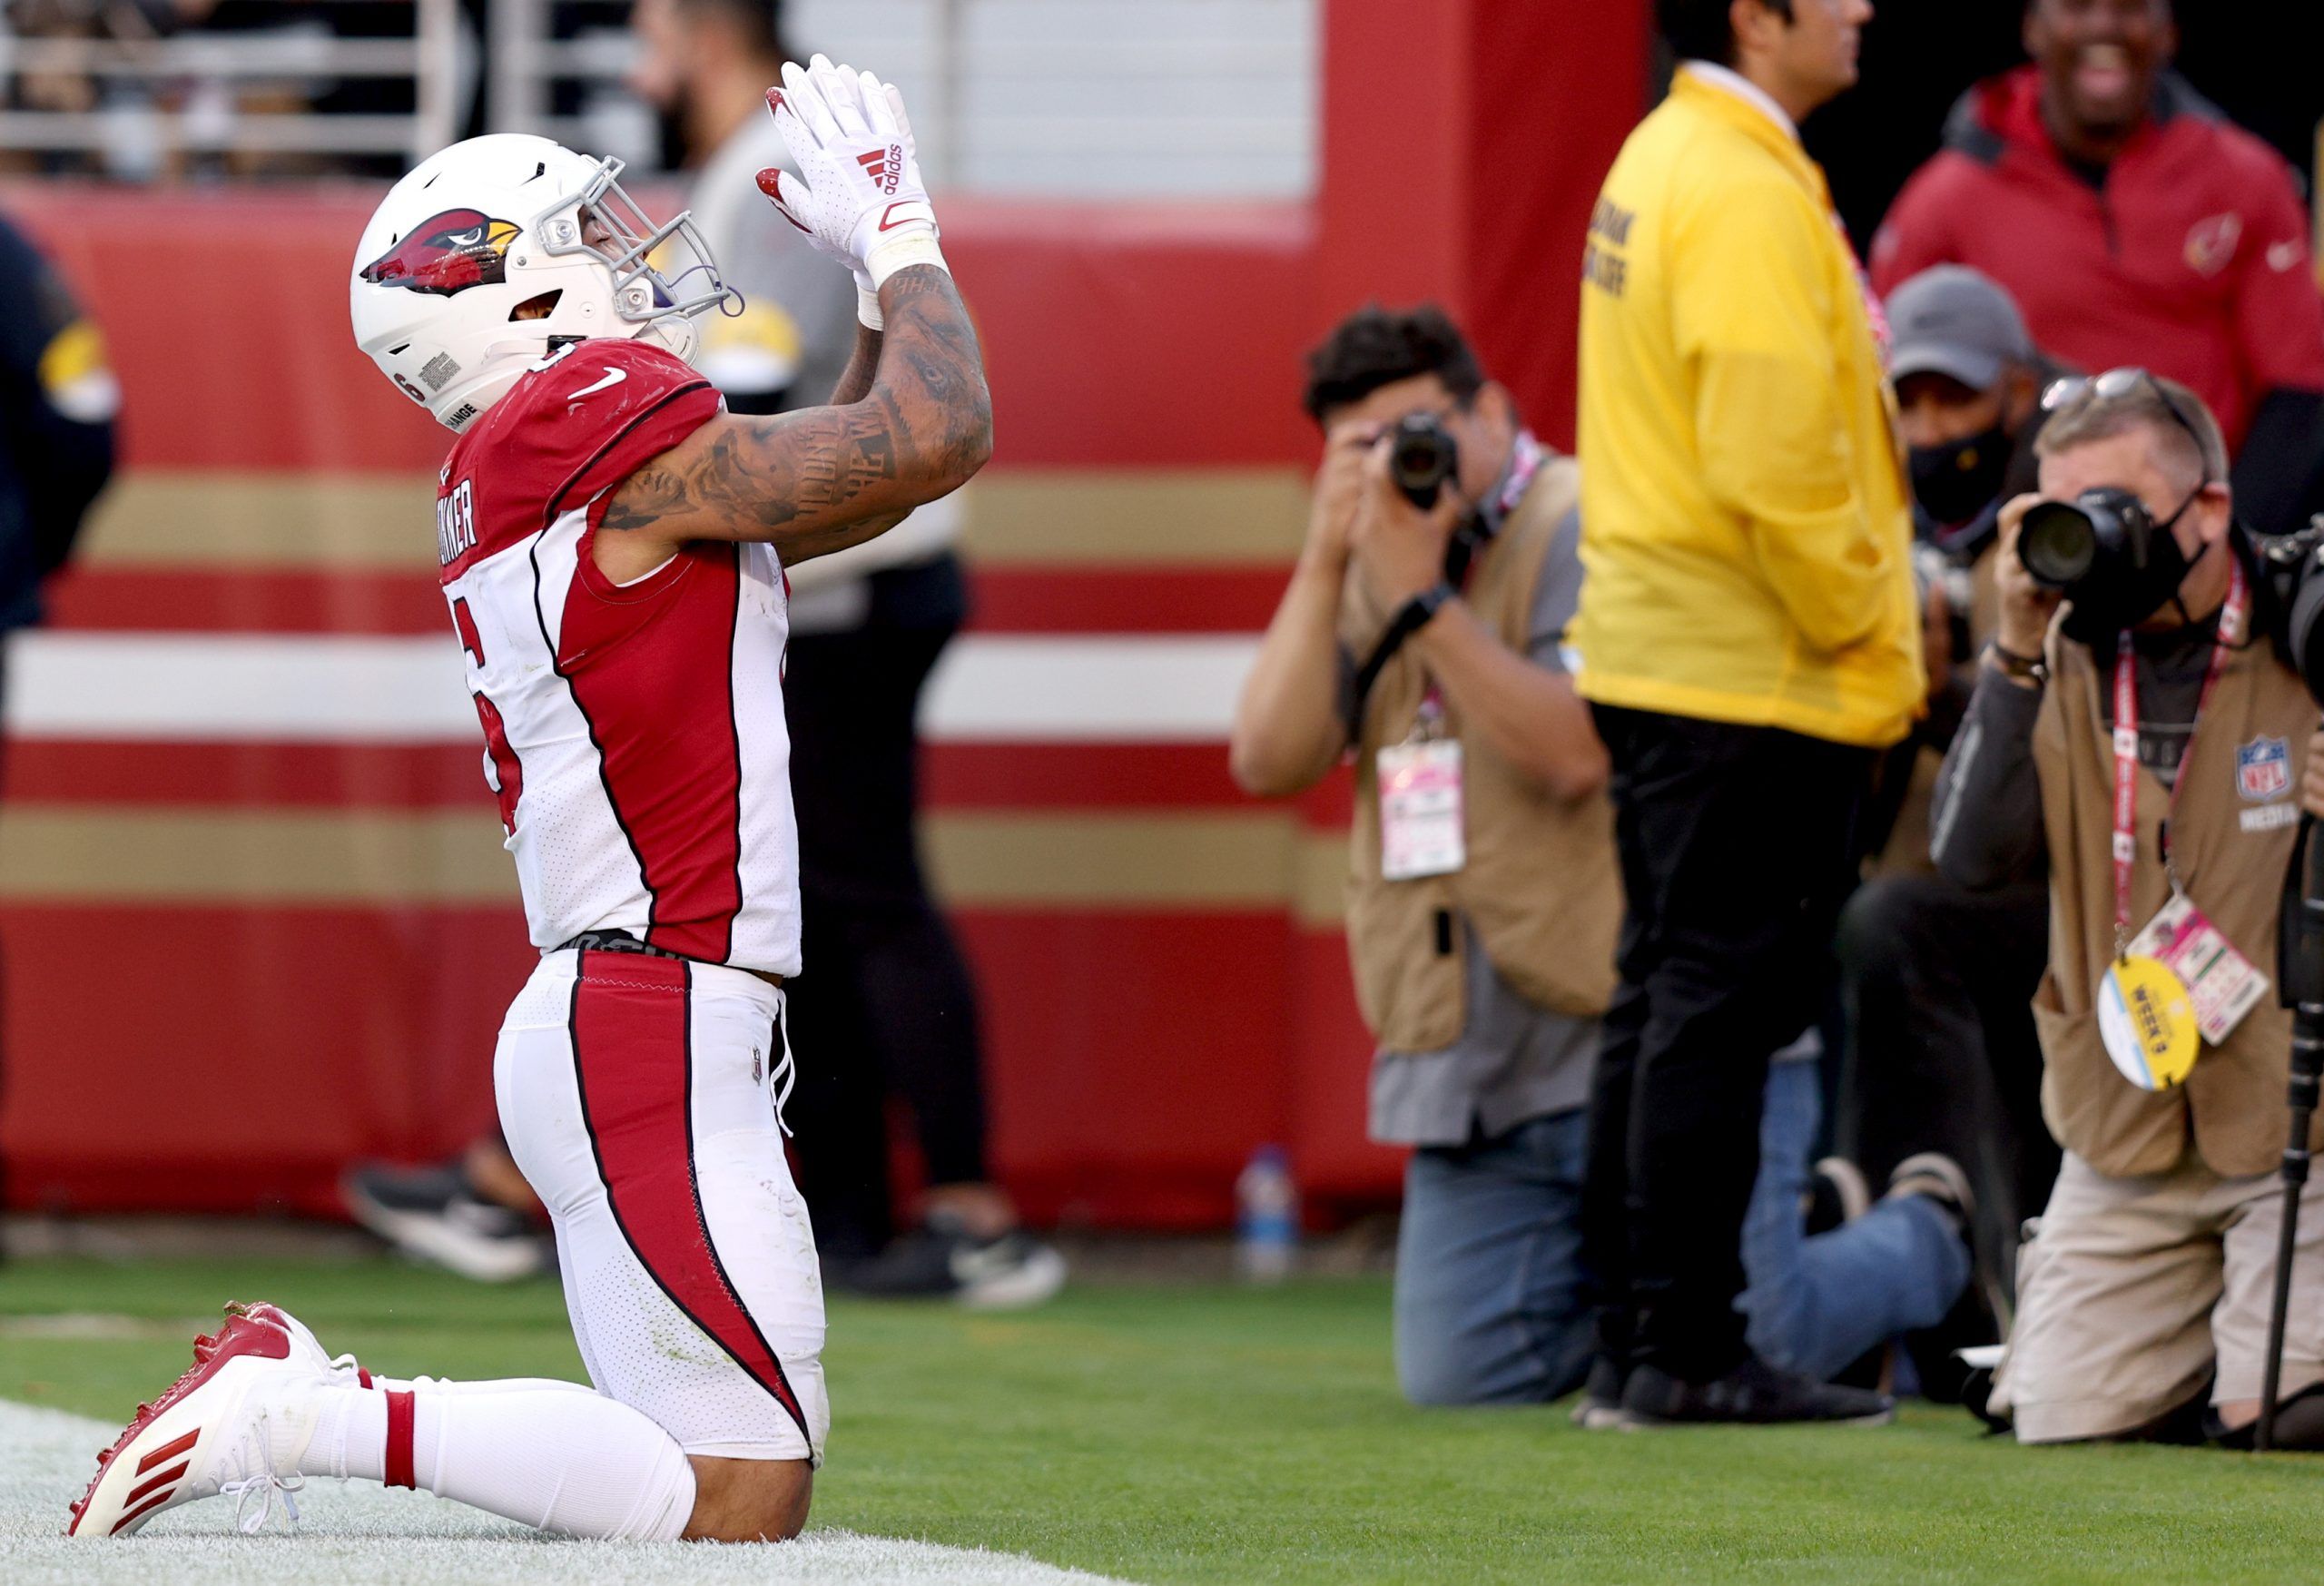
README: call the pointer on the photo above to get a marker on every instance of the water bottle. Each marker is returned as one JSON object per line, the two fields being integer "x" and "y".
{"x": 1268, "y": 1216}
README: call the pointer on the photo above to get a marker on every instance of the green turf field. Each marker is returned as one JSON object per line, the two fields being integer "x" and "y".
{"x": 1208, "y": 1433}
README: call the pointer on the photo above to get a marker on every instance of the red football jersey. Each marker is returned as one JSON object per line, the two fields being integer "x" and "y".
{"x": 634, "y": 733}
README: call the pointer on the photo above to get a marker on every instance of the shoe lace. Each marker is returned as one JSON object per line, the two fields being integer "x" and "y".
{"x": 265, "y": 1483}
{"x": 269, "y": 1486}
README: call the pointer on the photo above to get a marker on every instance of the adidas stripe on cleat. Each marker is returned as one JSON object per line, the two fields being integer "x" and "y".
{"x": 235, "y": 1422}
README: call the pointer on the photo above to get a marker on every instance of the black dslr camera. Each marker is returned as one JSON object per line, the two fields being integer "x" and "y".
{"x": 2292, "y": 567}
{"x": 2105, "y": 553}
{"x": 1422, "y": 457}
{"x": 2101, "y": 539}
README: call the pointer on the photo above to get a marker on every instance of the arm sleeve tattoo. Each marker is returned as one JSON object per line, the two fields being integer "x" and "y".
{"x": 821, "y": 479}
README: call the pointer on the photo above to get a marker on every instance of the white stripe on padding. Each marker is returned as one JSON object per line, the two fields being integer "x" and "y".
{"x": 1086, "y": 689}
{"x": 272, "y": 688}
{"x": 238, "y": 687}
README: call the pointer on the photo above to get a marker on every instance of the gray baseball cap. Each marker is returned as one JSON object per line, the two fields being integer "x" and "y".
{"x": 1952, "y": 321}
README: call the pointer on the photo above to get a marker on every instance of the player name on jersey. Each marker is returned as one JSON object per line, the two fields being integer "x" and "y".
{"x": 455, "y": 523}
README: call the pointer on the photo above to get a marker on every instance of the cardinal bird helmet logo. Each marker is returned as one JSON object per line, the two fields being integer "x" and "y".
{"x": 445, "y": 254}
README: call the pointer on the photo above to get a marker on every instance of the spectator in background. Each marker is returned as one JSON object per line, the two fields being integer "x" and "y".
{"x": 1940, "y": 1048}
{"x": 474, "y": 1215}
{"x": 704, "y": 66}
{"x": 1482, "y": 945}
{"x": 58, "y": 400}
{"x": 1969, "y": 383}
{"x": 887, "y": 1007}
{"x": 1748, "y": 639}
{"x": 2135, "y": 226}
{"x": 2142, "y": 1299}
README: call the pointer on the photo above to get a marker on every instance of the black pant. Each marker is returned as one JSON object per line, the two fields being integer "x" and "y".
{"x": 1941, "y": 1049}
{"x": 1737, "y": 846}
{"x": 885, "y": 1007}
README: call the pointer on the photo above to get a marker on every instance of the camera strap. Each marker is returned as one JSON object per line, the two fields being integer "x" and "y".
{"x": 1469, "y": 540}
{"x": 2232, "y": 618}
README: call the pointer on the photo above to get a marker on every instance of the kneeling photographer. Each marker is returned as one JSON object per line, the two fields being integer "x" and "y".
{"x": 2147, "y": 746}
{"x": 1483, "y": 891}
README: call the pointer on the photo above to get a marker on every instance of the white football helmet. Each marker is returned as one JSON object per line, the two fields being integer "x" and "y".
{"x": 506, "y": 222}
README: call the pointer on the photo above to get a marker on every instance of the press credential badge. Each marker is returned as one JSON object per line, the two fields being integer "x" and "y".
{"x": 2147, "y": 1022}
{"x": 1421, "y": 819}
{"x": 2222, "y": 984}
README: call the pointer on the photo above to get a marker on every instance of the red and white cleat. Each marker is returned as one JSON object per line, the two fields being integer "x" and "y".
{"x": 235, "y": 1424}
{"x": 306, "y": 1346}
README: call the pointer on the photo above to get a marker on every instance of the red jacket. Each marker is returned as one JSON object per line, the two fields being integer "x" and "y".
{"x": 2192, "y": 259}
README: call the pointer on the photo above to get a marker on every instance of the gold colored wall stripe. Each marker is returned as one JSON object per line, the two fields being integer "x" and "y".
{"x": 292, "y": 856}
{"x": 355, "y": 523}
{"x": 378, "y": 858}
{"x": 1094, "y": 517}
{"x": 988, "y": 860}
{"x": 344, "y": 522}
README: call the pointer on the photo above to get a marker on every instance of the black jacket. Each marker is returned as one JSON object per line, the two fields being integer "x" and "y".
{"x": 57, "y": 402}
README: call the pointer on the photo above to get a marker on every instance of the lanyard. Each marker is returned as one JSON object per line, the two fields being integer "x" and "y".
{"x": 2126, "y": 751}
{"x": 1525, "y": 461}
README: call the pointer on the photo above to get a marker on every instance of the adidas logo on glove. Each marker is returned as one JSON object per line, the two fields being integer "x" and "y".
{"x": 885, "y": 167}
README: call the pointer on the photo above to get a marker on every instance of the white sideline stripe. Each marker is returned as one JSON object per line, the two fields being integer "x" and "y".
{"x": 320, "y": 688}
{"x": 353, "y": 1531}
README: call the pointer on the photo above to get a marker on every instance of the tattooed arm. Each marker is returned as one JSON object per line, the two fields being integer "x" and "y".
{"x": 820, "y": 479}
{"x": 855, "y": 379}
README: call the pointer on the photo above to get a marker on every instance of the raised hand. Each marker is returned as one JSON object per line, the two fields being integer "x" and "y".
{"x": 859, "y": 196}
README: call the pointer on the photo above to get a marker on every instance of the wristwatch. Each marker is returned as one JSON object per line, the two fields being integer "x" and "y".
{"x": 2033, "y": 669}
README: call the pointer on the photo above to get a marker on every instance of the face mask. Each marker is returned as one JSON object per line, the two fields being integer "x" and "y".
{"x": 2127, "y": 589}
{"x": 1957, "y": 480}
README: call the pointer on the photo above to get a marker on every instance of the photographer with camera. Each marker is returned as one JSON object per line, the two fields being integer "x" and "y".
{"x": 1481, "y": 896}
{"x": 1420, "y": 632}
{"x": 2139, "y": 727}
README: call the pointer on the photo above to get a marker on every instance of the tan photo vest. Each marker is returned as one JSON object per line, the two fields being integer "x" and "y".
{"x": 1541, "y": 887}
{"x": 2231, "y": 1109}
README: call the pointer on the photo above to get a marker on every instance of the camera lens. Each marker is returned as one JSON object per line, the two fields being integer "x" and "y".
{"x": 2058, "y": 543}
{"x": 1421, "y": 458}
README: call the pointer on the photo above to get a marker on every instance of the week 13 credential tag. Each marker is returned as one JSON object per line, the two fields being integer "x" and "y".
{"x": 2148, "y": 1022}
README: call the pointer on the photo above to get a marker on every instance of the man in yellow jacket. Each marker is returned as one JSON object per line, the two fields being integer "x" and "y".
{"x": 1748, "y": 638}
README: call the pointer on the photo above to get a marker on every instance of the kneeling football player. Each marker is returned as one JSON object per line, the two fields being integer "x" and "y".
{"x": 613, "y": 544}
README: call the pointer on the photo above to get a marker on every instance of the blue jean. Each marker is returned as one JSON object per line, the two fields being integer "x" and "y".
{"x": 1488, "y": 1305}
{"x": 1488, "y": 1287}
{"x": 1814, "y": 1304}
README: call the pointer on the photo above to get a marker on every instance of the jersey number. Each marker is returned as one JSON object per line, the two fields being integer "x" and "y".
{"x": 503, "y": 772}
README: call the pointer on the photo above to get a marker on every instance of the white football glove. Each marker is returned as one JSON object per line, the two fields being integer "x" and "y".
{"x": 862, "y": 199}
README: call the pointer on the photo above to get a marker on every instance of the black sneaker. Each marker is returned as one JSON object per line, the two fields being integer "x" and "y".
{"x": 1600, "y": 1409}
{"x": 1837, "y": 1196}
{"x": 1754, "y": 1394}
{"x": 430, "y": 1215}
{"x": 1975, "y": 1317}
{"x": 1008, "y": 1271}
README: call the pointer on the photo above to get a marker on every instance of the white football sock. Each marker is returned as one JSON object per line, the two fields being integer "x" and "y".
{"x": 351, "y": 1432}
{"x": 552, "y": 1454}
